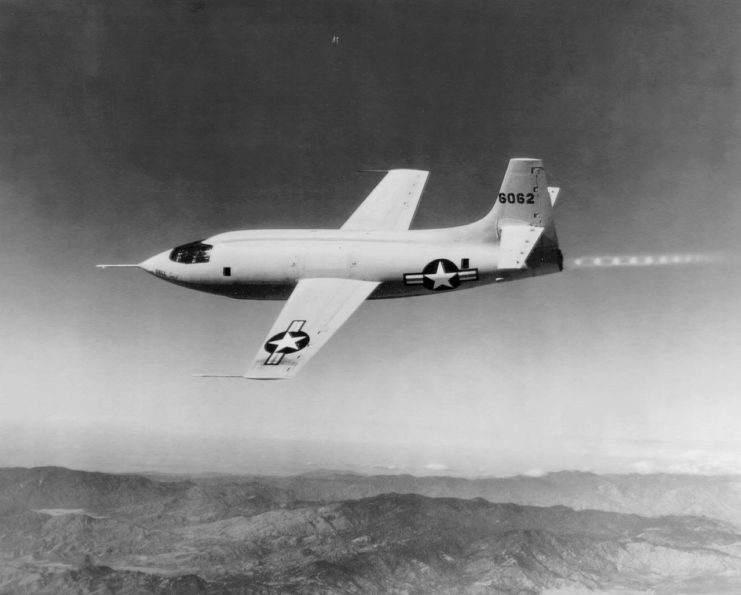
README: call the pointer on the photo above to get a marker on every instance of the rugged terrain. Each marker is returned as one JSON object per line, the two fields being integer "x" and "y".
{"x": 656, "y": 494}
{"x": 64, "y": 531}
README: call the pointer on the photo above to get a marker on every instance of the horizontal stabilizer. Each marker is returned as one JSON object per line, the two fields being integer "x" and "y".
{"x": 553, "y": 193}
{"x": 517, "y": 241}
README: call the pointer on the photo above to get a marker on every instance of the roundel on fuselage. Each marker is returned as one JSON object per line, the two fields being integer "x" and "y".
{"x": 442, "y": 274}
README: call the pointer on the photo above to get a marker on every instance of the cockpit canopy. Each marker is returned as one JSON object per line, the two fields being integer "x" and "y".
{"x": 191, "y": 253}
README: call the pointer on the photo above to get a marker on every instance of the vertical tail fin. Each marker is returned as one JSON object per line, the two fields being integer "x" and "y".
{"x": 523, "y": 197}
{"x": 522, "y": 219}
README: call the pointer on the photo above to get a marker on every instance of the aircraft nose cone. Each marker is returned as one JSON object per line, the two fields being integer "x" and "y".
{"x": 155, "y": 263}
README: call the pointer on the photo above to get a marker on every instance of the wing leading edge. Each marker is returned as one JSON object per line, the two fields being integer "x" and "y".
{"x": 392, "y": 203}
{"x": 315, "y": 310}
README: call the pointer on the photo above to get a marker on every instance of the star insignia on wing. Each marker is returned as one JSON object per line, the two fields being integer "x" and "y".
{"x": 288, "y": 342}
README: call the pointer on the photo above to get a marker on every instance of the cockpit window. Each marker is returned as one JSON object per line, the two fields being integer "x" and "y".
{"x": 191, "y": 253}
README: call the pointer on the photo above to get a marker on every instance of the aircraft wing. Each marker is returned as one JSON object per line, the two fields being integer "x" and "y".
{"x": 315, "y": 310}
{"x": 392, "y": 203}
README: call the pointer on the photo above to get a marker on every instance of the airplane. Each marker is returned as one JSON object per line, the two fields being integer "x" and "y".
{"x": 326, "y": 274}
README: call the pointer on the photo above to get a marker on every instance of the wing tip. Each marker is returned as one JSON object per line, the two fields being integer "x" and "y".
{"x": 241, "y": 376}
{"x": 256, "y": 375}
{"x": 218, "y": 376}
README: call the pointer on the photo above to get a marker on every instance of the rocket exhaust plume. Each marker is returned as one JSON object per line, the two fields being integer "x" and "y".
{"x": 646, "y": 260}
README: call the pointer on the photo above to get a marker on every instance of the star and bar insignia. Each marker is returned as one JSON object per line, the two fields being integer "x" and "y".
{"x": 441, "y": 275}
{"x": 289, "y": 341}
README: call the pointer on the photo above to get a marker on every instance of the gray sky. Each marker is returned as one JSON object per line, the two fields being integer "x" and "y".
{"x": 129, "y": 127}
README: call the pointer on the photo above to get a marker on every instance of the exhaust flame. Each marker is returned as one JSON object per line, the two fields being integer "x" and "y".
{"x": 646, "y": 260}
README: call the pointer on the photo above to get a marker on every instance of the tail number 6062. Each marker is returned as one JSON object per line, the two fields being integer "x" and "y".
{"x": 520, "y": 198}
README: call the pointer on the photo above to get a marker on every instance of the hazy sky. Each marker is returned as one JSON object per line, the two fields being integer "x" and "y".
{"x": 130, "y": 127}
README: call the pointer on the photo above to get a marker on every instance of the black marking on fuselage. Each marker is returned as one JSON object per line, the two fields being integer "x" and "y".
{"x": 442, "y": 275}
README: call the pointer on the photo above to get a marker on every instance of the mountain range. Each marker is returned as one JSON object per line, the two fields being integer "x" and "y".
{"x": 716, "y": 496}
{"x": 65, "y": 531}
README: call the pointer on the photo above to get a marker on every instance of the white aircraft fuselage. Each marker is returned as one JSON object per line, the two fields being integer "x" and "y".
{"x": 267, "y": 264}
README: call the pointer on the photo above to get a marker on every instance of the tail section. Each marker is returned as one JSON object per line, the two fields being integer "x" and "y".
{"x": 522, "y": 219}
{"x": 523, "y": 198}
